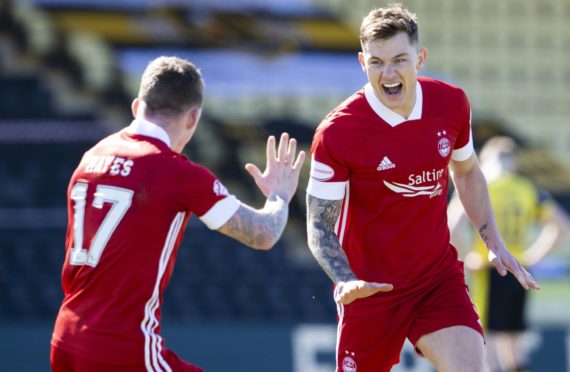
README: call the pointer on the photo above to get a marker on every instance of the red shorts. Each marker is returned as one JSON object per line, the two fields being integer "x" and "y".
{"x": 372, "y": 331}
{"x": 63, "y": 361}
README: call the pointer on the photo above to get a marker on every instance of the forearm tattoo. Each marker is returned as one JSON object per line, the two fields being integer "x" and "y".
{"x": 483, "y": 234}
{"x": 323, "y": 241}
{"x": 258, "y": 228}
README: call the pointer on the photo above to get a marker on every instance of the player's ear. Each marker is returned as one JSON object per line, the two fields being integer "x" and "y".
{"x": 194, "y": 116}
{"x": 361, "y": 60}
{"x": 135, "y": 107}
{"x": 422, "y": 56}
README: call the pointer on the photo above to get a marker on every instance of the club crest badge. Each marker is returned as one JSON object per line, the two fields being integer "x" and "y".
{"x": 443, "y": 145}
{"x": 348, "y": 364}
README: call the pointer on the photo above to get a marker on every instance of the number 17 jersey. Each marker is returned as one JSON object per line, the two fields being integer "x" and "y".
{"x": 129, "y": 201}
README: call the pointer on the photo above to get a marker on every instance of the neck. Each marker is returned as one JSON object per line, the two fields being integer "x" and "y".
{"x": 170, "y": 126}
{"x": 407, "y": 110}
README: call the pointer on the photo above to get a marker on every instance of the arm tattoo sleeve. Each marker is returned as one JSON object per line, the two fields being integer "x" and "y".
{"x": 261, "y": 228}
{"x": 323, "y": 241}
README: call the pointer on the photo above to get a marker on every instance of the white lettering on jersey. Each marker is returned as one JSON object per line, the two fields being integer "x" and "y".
{"x": 127, "y": 168}
{"x": 321, "y": 171}
{"x": 220, "y": 189}
{"x": 99, "y": 164}
{"x": 120, "y": 199}
{"x": 413, "y": 188}
{"x": 115, "y": 165}
{"x": 425, "y": 176}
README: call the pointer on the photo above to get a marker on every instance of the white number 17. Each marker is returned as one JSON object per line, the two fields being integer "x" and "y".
{"x": 121, "y": 200}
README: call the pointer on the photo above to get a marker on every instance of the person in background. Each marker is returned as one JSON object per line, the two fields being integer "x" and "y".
{"x": 129, "y": 201}
{"x": 519, "y": 208}
{"x": 376, "y": 208}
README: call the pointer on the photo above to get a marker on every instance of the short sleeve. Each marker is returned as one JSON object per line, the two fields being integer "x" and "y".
{"x": 463, "y": 148}
{"x": 329, "y": 176}
{"x": 220, "y": 212}
{"x": 204, "y": 194}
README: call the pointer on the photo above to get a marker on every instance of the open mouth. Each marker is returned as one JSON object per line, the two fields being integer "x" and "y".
{"x": 392, "y": 89}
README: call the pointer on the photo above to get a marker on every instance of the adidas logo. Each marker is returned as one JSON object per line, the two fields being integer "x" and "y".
{"x": 385, "y": 164}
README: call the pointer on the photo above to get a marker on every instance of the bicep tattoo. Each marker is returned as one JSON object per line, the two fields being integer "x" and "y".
{"x": 322, "y": 239}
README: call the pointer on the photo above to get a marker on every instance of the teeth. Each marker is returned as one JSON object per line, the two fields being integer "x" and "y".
{"x": 393, "y": 85}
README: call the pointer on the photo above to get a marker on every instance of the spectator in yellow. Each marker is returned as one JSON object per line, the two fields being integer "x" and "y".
{"x": 519, "y": 208}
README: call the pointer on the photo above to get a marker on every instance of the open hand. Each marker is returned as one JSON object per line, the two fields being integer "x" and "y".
{"x": 281, "y": 174}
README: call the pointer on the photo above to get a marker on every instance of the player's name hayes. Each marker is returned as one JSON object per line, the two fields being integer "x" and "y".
{"x": 114, "y": 164}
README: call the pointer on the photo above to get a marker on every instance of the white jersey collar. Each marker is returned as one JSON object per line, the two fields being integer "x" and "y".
{"x": 389, "y": 116}
{"x": 146, "y": 128}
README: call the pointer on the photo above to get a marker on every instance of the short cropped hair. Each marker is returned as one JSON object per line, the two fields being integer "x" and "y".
{"x": 384, "y": 23}
{"x": 171, "y": 85}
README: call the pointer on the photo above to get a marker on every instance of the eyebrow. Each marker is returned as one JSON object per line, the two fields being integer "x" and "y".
{"x": 395, "y": 57}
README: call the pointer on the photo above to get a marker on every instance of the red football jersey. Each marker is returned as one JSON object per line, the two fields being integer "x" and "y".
{"x": 129, "y": 202}
{"x": 392, "y": 176}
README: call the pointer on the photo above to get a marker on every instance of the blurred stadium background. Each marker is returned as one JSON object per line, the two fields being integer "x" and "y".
{"x": 70, "y": 68}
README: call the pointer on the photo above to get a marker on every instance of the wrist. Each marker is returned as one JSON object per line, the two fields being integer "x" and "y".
{"x": 495, "y": 242}
{"x": 496, "y": 246}
{"x": 274, "y": 196}
{"x": 345, "y": 280}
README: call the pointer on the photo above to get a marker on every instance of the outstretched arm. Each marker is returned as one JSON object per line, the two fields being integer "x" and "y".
{"x": 325, "y": 246}
{"x": 261, "y": 228}
{"x": 258, "y": 228}
{"x": 472, "y": 189}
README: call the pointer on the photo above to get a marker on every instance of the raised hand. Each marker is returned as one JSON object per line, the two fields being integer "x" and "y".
{"x": 346, "y": 292}
{"x": 281, "y": 175}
